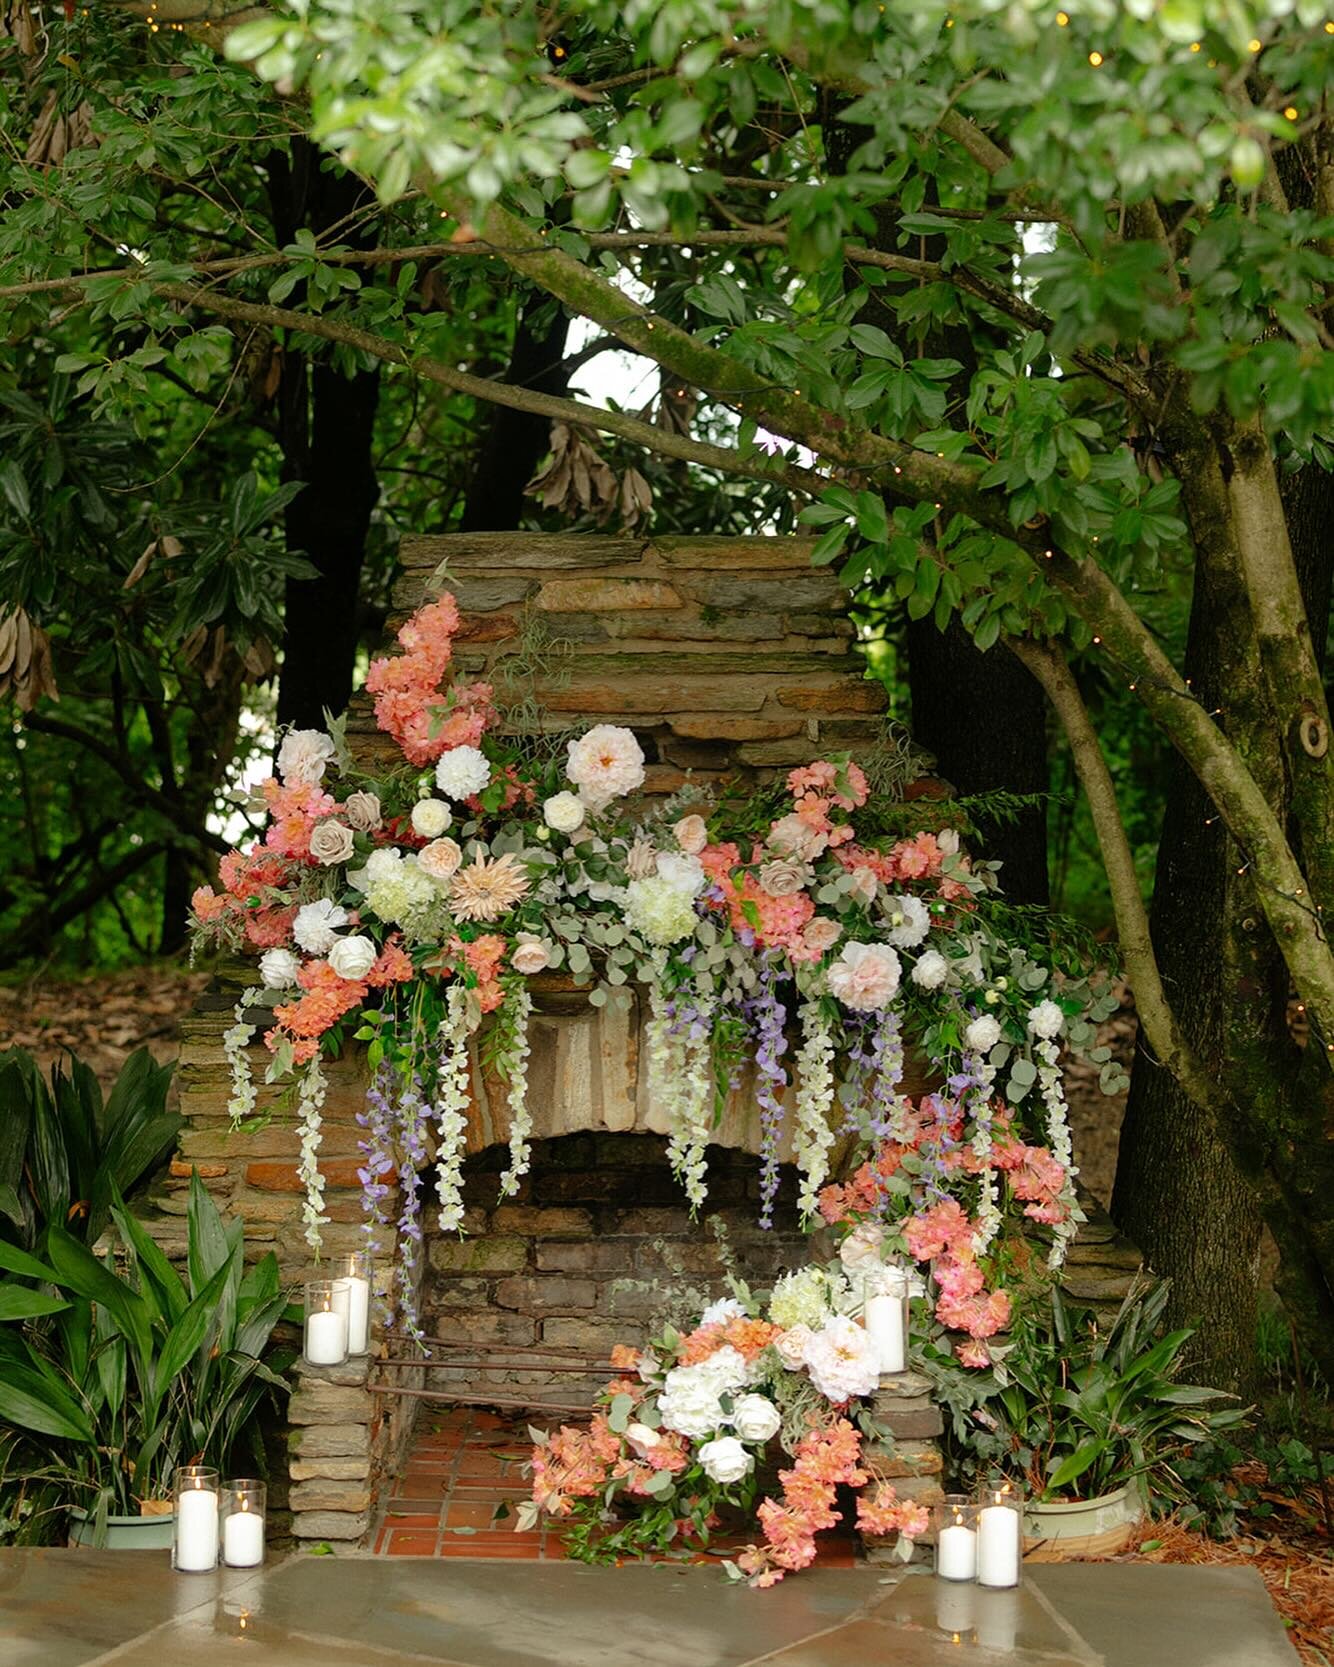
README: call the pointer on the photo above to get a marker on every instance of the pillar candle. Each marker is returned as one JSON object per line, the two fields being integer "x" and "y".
{"x": 352, "y": 1299}
{"x": 196, "y": 1529}
{"x": 956, "y": 1552}
{"x": 998, "y": 1544}
{"x": 243, "y": 1538}
{"x": 884, "y": 1326}
{"x": 326, "y": 1337}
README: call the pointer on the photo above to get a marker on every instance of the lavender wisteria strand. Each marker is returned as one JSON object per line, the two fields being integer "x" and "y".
{"x": 413, "y": 1154}
{"x": 377, "y": 1117}
{"x": 768, "y": 1018}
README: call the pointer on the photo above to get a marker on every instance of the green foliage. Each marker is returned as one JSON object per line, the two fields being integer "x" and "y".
{"x": 65, "y": 1154}
{"x": 133, "y": 1369}
{"x": 1076, "y": 1410}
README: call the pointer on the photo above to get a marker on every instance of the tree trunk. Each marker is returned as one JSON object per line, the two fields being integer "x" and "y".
{"x": 1179, "y": 1191}
{"x": 516, "y": 441}
{"x": 326, "y": 427}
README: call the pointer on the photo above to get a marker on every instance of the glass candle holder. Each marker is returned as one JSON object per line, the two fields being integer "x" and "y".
{"x": 956, "y": 1603}
{"x": 325, "y": 1337}
{"x": 194, "y": 1546}
{"x": 885, "y": 1316}
{"x": 1000, "y": 1536}
{"x": 352, "y": 1277}
{"x": 956, "y": 1538}
{"x": 243, "y": 1512}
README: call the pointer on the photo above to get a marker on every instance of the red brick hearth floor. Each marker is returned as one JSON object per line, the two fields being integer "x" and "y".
{"x": 460, "y": 1486}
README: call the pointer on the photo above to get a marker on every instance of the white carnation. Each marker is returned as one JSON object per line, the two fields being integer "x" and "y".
{"x": 684, "y": 874}
{"x": 1046, "y": 1020}
{"x": 718, "y": 1313}
{"x": 462, "y": 772}
{"x": 756, "y": 1419}
{"x": 605, "y": 764}
{"x": 316, "y": 924}
{"x": 931, "y": 971}
{"x": 909, "y": 920}
{"x": 842, "y": 1361}
{"x": 278, "y": 968}
{"x": 303, "y": 756}
{"x": 431, "y": 818}
{"x": 353, "y": 957}
{"x": 564, "y": 812}
{"x": 725, "y": 1460}
{"x": 689, "y": 1403}
{"x": 726, "y": 1370}
{"x": 983, "y": 1034}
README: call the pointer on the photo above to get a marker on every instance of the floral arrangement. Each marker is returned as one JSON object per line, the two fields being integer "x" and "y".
{"x": 681, "y": 1434}
{"x": 792, "y": 942}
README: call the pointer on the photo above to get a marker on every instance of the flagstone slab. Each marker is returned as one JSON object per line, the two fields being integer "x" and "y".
{"x": 104, "y": 1609}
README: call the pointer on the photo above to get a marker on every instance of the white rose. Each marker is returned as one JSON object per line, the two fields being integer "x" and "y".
{"x": 725, "y": 1460}
{"x": 756, "y": 1419}
{"x": 278, "y": 968}
{"x": 316, "y": 924}
{"x": 353, "y": 957}
{"x": 431, "y": 818}
{"x": 684, "y": 874}
{"x": 718, "y": 1313}
{"x": 462, "y": 772}
{"x": 983, "y": 1034}
{"x": 303, "y": 756}
{"x": 642, "y": 1438}
{"x": 931, "y": 971}
{"x": 564, "y": 812}
{"x": 909, "y": 920}
{"x": 1046, "y": 1020}
{"x": 948, "y": 841}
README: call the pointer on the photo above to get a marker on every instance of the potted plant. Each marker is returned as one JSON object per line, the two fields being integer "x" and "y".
{"x": 116, "y": 1371}
{"x": 1090, "y": 1418}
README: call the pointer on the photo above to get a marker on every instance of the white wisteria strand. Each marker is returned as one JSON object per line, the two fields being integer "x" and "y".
{"x": 983, "y": 1073}
{"x": 310, "y": 1098}
{"x": 451, "y": 1101}
{"x": 687, "y": 1150}
{"x": 1058, "y": 1135}
{"x": 813, "y": 1132}
{"x": 515, "y": 1067}
{"x": 236, "y": 1040}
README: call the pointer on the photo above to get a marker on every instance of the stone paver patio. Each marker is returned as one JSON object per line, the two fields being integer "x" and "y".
{"x": 95, "y": 1609}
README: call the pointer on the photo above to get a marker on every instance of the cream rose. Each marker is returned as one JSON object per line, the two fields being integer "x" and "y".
{"x": 865, "y": 977}
{"x": 431, "y": 818}
{"x": 362, "y": 811}
{"x": 440, "y": 859}
{"x": 564, "y": 812}
{"x": 796, "y": 838}
{"x": 605, "y": 764}
{"x": 983, "y": 1034}
{"x": 352, "y": 957}
{"x": 756, "y": 1419}
{"x": 821, "y": 933}
{"x": 331, "y": 842}
{"x": 529, "y": 955}
{"x": 691, "y": 834}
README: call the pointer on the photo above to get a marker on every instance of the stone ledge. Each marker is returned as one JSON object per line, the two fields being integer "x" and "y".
{"x": 352, "y": 1374}
{"x": 330, "y": 1525}
{"x": 328, "y": 1403}
{"x": 326, "y": 1494}
{"x": 330, "y": 1441}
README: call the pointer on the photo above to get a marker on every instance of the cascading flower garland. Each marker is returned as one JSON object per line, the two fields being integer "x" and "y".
{"x": 411, "y": 911}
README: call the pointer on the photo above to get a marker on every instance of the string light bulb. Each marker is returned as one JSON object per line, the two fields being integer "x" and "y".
{"x": 1291, "y": 112}
{"x": 1095, "y": 58}
{"x": 1195, "y": 46}
{"x": 1062, "y": 18}
{"x": 1252, "y": 45}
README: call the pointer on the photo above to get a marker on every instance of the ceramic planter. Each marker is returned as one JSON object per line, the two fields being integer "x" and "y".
{"x": 138, "y": 1533}
{"x": 1083, "y": 1527}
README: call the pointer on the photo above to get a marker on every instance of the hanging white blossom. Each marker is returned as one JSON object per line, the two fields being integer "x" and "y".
{"x": 1058, "y": 1138}
{"x": 515, "y": 1067}
{"x": 235, "y": 1041}
{"x": 310, "y": 1097}
{"x": 452, "y": 1107}
{"x": 813, "y": 1133}
{"x": 687, "y": 1148}
{"x": 983, "y": 1073}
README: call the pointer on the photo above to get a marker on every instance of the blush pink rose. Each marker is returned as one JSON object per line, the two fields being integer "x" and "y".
{"x": 821, "y": 933}
{"x": 440, "y": 859}
{"x": 865, "y": 977}
{"x": 692, "y": 835}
